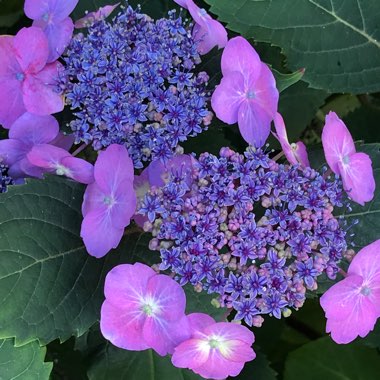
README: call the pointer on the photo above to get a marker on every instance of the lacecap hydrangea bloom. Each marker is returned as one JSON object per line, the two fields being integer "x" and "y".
{"x": 211, "y": 234}
{"x": 132, "y": 81}
{"x": 5, "y": 180}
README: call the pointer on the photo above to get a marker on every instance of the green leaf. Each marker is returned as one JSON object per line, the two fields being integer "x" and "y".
{"x": 337, "y": 42}
{"x": 10, "y": 12}
{"x": 283, "y": 81}
{"x": 324, "y": 359}
{"x": 23, "y": 363}
{"x": 115, "y": 363}
{"x": 258, "y": 369}
{"x": 50, "y": 287}
{"x": 368, "y": 227}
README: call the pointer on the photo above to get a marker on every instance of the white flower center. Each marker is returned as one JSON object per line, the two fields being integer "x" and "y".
{"x": 149, "y": 306}
{"x": 62, "y": 170}
{"x": 250, "y": 94}
{"x": 366, "y": 291}
{"x": 346, "y": 160}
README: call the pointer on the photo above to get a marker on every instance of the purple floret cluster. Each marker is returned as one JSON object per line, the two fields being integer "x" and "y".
{"x": 5, "y": 180}
{"x": 256, "y": 232}
{"x": 131, "y": 81}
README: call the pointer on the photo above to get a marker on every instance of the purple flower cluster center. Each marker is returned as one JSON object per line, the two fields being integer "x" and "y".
{"x": 5, "y": 179}
{"x": 132, "y": 82}
{"x": 256, "y": 232}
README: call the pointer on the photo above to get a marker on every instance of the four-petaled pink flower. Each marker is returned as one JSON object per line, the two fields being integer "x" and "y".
{"x": 26, "y": 132}
{"x": 109, "y": 202}
{"x": 207, "y": 31}
{"x": 60, "y": 162}
{"x": 52, "y": 17}
{"x": 354, "y": 168}
{"x": 215, "y": 350}
{"x": 295, "y": 153}
{"x": 90, "y": 18}
{"x": 352, "y": 306}
{"x": 247, "y": 93}
{"x": 143, "y": 310}
{"x": 27, "y": 83}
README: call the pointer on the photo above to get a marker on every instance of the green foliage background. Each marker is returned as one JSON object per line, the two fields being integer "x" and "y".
{"x": 51, "y": 289}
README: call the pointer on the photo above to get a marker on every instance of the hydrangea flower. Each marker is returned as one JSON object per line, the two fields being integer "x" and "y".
{"x": 27, "y": 131}
{"x": 215, "y": 350}
{"x": 5, "y": 179}
{"x": 355, "y": 168}
{"x": 247, "y": 93}
{"x": 109, "y": 202}
{"x": 295, "y": 153}
{"x": 132, "y": 81}
{"x": 27, "y": 82}
{"x": 90, "y": 18}
{"x": 60, "y": 162}
{"x": 52, "y": 17}
{"x": 352, "y": 306}
{"x": 208, "y": 235}
{"x": 143, "y": 310}
{"x": 207, "y": 31}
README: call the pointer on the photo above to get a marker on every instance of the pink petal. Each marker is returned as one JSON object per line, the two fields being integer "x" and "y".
{"x": 59, "y": 36}
{"x": 237, "y": 351}
{"x": 93, "y": 199}
{"x": 24, "y": 167}
{"x": 80, "y": 170}
{"x": 40, "y": 96}
{"x": 62, "y": 9}
{"x": 217, "y": 367}
{"x": 31, "y": 49}
{"x": 231, "y": 331}
{"x": 9, "y": 65}
{"x": 337, "y": 141}
{"x": 357, "y": 176}
{"x": 301, "y": 154}
{"x": 182, "y": 3}
{"x": 100, "y": 14}
{"x": 339, "y": 301}
{"x": 34, "y": 129}
{"x": 191, "y": 353}
{"x": 122, "y": 168}
{"x": 282, "y": 137}
{"x": 170, "y": 296}
{"x": 98, "y": 233}
{"x": 127, "y": 283}
{"x": 47, "y": 156}
{"x": 163, "y": 336}
{"x": 239, "y": 55}
{"x": 11, "y": 102}
{"x": 12, "y": 151}
{"x": 35, "y": 9}
{"x": 199, "y": 321}
{"x": 123, "y": 327}
{"x": 366, "y": 262}
{"x": 211, "y": 35}
{"x": 228, "y": 96}
{"x": 254, "y": 123}
{"x": 63, "y": 141}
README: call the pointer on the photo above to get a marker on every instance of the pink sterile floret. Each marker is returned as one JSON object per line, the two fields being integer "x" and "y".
{"x": 90, "y": 18}
{"x": 27, "y": 82}
{"x": 352, "y": 306}
{"x": 109, "y": 202}
{"x": 207, "y": 31}
{"x": 215, "y": 350}
{"x": 354, "y": 168}
{"x": 247, "y": 93}
{"x": 295, "y": 153}
{"x": 60, "y": 162}
{"x": 143, "y": 310}
{"x": 52, "y": 17}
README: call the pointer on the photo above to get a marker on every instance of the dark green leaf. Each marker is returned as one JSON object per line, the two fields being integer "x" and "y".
{"x": 373, "y": 338}
{"x": 115, "y": 363}
{"x": 283, "y": 81}
{"x": 337, "y": 42}
{"x": 10, "y": 12}
{"x": 324, "y": 359}
{"x": 23, "y": 363}
{"x": 258, "y": 369}
{"x": 49, "y": 286}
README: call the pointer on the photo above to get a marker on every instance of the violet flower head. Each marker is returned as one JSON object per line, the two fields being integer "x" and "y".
{"x": 27, "y": 131}
{"x": 215, "y": 350}
{"x": 60, "y": 162}
{"x": 92, "y": 17}
{"x": 247, "y": 93}
{"x": 27, "y": 82}
{"x": 207, "y": 31}
{"x": 143, "y": 310}
{"x": 354, "y": 168}
{"x": 52, "y": 17}
{"x": 295, "y": 153}
{"x": 352, "y": 306}
{"x": 109, "y": 202}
